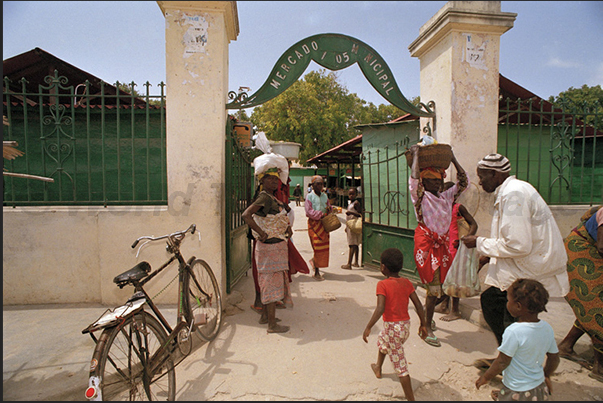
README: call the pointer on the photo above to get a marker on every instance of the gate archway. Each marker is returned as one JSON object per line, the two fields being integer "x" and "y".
{"x": 331, "y": 51}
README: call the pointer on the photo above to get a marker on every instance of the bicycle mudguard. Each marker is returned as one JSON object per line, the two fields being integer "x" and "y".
{"x": 114, "y": 316}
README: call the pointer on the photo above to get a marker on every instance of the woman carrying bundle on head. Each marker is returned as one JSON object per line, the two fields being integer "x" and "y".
{"x": 267, "y": 217}
{"x": 433, "y": 209}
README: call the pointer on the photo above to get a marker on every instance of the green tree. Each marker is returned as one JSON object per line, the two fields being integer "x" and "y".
{"x": 579, "y": 96}
{"x": 319, "y": 113}
{"x": 586, "y": 100}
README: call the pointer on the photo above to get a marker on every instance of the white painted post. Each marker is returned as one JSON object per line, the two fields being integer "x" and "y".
{"x": 197, "y": 34}
{"x": 458, "y": 49}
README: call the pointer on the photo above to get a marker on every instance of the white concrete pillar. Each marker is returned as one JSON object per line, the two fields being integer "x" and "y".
{"x": 197, "y": 34}
{"x": 458, "y": 49}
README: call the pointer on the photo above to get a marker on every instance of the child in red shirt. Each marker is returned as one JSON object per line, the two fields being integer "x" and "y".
{"x": 393, "y": 295}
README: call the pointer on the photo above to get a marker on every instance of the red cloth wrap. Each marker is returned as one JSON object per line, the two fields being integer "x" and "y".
{"x": 431, "y": 253}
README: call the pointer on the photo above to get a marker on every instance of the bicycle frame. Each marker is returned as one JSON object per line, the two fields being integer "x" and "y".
{"x": 135, "y": 304}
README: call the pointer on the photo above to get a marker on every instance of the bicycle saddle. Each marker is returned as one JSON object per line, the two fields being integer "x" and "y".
{"x": 140, "y": 271}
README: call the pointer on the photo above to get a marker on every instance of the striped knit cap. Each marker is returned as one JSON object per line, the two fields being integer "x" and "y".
{"x": 495, "y": 162}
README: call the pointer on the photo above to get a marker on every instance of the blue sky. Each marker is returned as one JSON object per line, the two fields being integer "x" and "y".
{"x": 553, "y": 45}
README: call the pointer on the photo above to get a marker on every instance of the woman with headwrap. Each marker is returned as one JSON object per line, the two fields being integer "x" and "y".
{"x": 433, "y": 208}
{"x": 317, "y": 206}
{"x": 267, "y": 217}
{"x": 297, "y": 264}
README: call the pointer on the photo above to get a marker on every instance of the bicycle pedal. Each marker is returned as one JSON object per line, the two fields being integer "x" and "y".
{"x": 200, "y": 319}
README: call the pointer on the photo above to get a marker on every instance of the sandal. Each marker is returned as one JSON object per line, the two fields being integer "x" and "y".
{"x": 596, "y": 376}
{"x": 318, "y": 277}
{"x": 432, "y": 341}
{"x": 256, "y": 309}
{"x": 264, "y": 321}
{"x": 278, "y": 329}
{"x": 494, "y": 395}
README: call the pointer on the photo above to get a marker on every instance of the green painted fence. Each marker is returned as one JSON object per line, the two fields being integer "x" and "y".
{"x": 107, "y": 152}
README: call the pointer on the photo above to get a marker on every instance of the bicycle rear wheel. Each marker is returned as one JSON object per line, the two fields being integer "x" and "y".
{"x": 123, "y": 361}
{"x": 204, "y": 302}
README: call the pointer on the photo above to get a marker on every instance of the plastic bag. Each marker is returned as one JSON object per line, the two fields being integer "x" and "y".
{"x": 462, "y": 280}
{"x": 261, "y": 143}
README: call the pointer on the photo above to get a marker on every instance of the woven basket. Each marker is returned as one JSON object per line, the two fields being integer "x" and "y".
{"x": 330, "y": 222}
{"x": 433, "y": 155}
{"x": 355, "y": 225}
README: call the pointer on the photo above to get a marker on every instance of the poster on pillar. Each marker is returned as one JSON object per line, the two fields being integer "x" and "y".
{"x": 475, "y": 52}
{"x": 195, "y": 37}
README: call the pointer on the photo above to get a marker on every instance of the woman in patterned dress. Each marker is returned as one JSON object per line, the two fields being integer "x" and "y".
{"x": 267, "y": 217}
{"x": 584, "y": 246}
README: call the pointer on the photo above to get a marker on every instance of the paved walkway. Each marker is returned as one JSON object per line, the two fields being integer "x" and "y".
{"x": 322, "y": 357}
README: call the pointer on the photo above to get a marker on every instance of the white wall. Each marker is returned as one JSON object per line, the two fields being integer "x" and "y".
{"x": 72, "y": 254}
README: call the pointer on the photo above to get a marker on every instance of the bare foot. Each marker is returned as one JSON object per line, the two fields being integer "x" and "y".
{"x": 355, "y": 265}
{"x": 346, "y": 267}
{"x": 451, "y": 316}
{"x": 376, "y": 370}
{"x": 278, "y": 329}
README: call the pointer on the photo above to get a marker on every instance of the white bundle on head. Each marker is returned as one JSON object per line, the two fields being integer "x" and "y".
{"x": 264, "y": 162}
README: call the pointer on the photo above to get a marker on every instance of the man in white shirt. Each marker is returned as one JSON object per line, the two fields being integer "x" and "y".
{"x": 524, "y": 242}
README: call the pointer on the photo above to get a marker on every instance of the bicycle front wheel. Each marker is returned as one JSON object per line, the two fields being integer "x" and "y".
{"x": 124, "y": 361}
{"x": 204, "y": 302}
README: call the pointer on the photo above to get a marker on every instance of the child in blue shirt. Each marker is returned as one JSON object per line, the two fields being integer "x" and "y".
{"x": 525, "y": 344}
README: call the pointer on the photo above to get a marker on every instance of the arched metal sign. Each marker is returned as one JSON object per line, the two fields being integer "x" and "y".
{"x": 334, "y": 52}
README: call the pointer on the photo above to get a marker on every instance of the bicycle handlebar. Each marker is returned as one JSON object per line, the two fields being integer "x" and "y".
{"x": 192, "y": 229}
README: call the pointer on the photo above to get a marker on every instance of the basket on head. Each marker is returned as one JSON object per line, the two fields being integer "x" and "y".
{"x": 434, "y": 155}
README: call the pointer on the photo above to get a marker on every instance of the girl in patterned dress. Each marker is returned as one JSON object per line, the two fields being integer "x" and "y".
{"x": 393, "y": 295}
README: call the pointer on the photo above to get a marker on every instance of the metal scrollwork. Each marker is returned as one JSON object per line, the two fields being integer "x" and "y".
{"x": 430, "y": 107}
{"x": 391, "y": 203}
{"x": 237, "y": 97}
{"x": 561, "y": 160}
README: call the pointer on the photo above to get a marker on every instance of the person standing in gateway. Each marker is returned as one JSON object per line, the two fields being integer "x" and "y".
{"x": 297, "y": 193}
{"x": 317, "y": 206}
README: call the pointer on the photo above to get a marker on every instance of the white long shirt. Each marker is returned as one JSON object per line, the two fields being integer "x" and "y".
{"x": 525, "y": 241}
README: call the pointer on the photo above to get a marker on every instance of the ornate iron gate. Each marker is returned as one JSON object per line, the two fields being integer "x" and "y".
{"x": 239, "y": 185}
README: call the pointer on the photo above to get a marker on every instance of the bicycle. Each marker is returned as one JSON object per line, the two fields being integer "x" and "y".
{"x": 136, "y": 353}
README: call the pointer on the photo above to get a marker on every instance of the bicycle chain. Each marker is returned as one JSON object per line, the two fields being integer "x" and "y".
{"x": 165, "y": 288}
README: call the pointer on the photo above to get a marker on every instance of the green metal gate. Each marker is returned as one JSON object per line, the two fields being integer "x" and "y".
{"x": 239, "y": 185}
{"x": 389, "y": 212}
